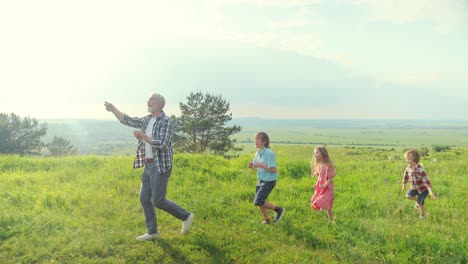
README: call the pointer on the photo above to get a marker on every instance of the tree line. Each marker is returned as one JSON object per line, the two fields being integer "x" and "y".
{"x": 201, "y": 128}
{"x": 23, "y": 136}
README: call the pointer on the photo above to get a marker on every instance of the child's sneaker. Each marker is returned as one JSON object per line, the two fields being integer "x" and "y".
{"x": 416, "y": 205}
{"x": 279, "y": 214}
{"x": 422, "y": 217}
{"x": 267, "y": 222}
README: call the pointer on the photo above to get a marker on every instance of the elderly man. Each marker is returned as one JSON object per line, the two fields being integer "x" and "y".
{"x": 154, "y": 152}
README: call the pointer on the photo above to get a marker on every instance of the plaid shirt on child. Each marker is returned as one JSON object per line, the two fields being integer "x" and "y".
{"x": 162, "y": 141}
{"x": 417, "y": 178}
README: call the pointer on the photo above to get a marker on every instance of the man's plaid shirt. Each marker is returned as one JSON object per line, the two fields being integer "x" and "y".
{"x": 417, "y": 178}
{"x": 163, "y": 131}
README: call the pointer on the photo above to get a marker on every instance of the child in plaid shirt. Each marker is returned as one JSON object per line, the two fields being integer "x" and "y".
{"x": 420, "y": 186}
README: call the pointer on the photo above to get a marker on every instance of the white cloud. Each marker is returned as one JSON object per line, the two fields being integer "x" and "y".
{"x": 52, "y": 49}
{"x": 289, "y": 24}
{"x": 269, "y": 3}
{"x": 446, "y": 15}
{"x": 298, "y": 30}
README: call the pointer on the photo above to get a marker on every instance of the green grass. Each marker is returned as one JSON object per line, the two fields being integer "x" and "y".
{"x": 86, "y": 210}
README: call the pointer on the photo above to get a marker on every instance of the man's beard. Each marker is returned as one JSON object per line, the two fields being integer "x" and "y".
{"x": 150, "y": 109}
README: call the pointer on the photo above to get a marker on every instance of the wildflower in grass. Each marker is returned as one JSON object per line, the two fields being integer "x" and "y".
{"x": 420, "y": 186}
{"x": 267, "y": 173}
{"x": 324, "y": 190}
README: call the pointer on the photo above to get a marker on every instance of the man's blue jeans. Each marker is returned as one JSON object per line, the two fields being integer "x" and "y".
{"x": 153, "y": 194}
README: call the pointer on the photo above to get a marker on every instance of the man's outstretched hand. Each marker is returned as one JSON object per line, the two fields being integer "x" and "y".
{"x": 109, "y": 107}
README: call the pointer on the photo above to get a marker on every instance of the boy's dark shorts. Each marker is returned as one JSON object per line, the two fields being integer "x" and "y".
{"x": 421, "y": 196}
{"x": 262, "y": 190}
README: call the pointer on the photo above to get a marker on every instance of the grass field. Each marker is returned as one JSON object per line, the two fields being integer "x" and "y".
{"x": 86, "y": 210}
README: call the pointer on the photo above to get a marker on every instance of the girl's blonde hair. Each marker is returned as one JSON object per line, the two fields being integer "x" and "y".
{"x": 326, "y": 159}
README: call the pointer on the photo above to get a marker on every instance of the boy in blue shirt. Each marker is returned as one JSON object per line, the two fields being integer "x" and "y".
{"x": 265, "y": 164}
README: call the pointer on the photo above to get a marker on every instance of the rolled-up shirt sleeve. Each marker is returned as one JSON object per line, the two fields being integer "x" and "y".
{"x": 135, "y": 122}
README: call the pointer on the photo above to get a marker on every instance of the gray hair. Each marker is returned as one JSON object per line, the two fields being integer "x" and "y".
{"x": 160, "y": 99}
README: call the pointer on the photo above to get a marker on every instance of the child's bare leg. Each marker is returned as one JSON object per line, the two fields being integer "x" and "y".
{"x": 330, "y": 215}
{"x": 264, "y": 212}
{"x": 421, "y": 209}
{"x": 412, "y": 198}
{"x": 264, "y": 209}
{"x": 268, "y": 205}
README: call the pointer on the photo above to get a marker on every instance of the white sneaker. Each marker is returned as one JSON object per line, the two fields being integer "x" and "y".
{"x": 187, "y": 224}
{"x": 147, "y": 237}
{"x": 422, "y": 217}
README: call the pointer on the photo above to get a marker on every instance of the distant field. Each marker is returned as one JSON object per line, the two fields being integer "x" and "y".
{"x": 106, "y": 137}
{"x": 362, "y": 134}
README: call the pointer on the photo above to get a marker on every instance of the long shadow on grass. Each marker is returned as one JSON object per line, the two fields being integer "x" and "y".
{"x": 305, "y": 236}
{"x": 217, "y": 255}
{"x": 176, "y": 255}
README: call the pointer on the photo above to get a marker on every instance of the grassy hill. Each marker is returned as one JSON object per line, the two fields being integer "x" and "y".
{"x": 86, "y": 210}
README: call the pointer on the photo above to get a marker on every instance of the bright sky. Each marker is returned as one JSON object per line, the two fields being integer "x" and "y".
{"x": 298, "y": 59}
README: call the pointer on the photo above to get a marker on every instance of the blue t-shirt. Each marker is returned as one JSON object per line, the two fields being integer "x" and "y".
{"x": 266, "y": 156}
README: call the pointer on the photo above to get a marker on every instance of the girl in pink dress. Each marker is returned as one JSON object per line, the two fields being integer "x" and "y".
{"x": 324, "y": 193}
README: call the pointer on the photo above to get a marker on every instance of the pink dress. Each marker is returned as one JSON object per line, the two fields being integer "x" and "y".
{"x": 323, "y": 198}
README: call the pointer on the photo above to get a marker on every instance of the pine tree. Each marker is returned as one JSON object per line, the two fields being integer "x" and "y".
{"x": 201, "y": 128}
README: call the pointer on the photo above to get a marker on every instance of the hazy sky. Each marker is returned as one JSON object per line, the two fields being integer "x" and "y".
{"x": 300, "y": 59}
